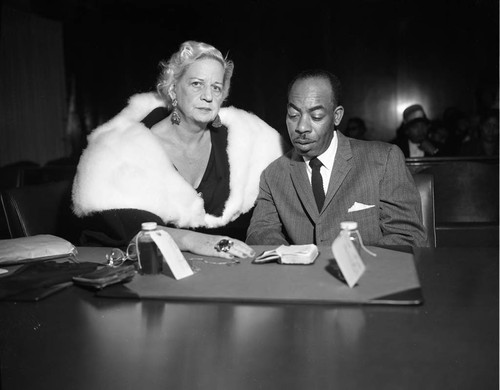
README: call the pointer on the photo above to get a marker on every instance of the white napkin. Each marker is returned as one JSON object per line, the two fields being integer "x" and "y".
{"x": 359, "y": 206}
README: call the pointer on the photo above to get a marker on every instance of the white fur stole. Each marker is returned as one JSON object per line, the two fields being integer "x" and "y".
{"x": 125, "y": 166}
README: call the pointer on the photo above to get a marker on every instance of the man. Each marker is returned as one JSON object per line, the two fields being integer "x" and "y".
{"x": 362, "y": 181}
{"x": 355, "y": 128}
{"x": 413, "y": 135}
{"x": 414, "y": 111}
{"x": 415, "y": 142}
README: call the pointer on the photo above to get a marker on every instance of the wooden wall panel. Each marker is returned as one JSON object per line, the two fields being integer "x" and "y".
{"x": 32, "y": 88}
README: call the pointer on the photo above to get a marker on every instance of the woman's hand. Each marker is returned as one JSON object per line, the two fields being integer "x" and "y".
{"x": 205, "y": 244}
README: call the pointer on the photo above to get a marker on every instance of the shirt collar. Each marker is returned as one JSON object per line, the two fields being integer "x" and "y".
{"x": 415, "y": 150}
{"x": 328, "y": 156}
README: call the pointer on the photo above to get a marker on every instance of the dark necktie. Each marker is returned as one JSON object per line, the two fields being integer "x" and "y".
{"x": 317, "y": 182}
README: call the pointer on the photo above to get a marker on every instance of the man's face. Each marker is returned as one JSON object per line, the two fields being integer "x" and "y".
{"x": 417, "y": 132}
{"x": 311, "y": 116}
{"x": 439, "y": 135}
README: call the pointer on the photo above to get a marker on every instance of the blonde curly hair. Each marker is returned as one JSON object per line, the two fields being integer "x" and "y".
{"x": 189, "y": 52}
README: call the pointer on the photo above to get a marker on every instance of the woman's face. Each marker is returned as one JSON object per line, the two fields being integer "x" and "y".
{"x": 199, "y": 91}
{"x": 489, "y": 130}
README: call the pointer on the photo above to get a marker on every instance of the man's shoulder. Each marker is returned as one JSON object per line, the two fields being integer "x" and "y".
{"x": 365, "y": 147}
{"x": 281, "y": 162}
{"x": 376, "y": 151}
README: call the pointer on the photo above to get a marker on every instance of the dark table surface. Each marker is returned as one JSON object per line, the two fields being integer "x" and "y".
{"x": 75, "y": 340}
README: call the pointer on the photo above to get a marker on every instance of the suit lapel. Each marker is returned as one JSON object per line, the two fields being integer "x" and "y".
{"x": 302, "y": 185}
{"x": 341, "y": 167}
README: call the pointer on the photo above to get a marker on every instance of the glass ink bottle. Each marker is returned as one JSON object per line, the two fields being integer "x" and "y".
{"x": 149, "y": 255}
{"x": 351, "y": 228}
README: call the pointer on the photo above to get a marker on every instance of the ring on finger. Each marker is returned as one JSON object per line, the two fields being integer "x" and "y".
{"x": 223, "y": 245}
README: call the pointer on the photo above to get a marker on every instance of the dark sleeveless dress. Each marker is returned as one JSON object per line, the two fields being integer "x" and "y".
{"x": 116, "y": 227}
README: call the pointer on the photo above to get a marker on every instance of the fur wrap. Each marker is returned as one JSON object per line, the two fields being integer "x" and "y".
{"x": 126, "y": 166}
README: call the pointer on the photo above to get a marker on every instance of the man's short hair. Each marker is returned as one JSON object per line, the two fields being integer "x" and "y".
{"x": 334, "y": 81}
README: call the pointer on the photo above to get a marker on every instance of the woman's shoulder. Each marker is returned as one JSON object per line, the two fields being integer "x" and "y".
{"x": 250, "y": 136}
{"x": 239, "y": 120}
{"x": 138, "y": 108}
{"x": 141, "y": 104}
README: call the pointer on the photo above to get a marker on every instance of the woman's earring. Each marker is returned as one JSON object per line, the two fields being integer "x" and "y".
{"x": 175, "y": 117}
{"x": 217, "y": 122}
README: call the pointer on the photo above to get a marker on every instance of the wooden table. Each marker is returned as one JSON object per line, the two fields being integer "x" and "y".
{"x": 74, "y": 340}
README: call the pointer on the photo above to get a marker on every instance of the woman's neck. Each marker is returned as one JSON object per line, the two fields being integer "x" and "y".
{"x": 188, "y": 148}
{"x": 188, "y": 133}
{"x": 184, "y": 133}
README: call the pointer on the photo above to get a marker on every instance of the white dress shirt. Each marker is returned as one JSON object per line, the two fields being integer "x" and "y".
{"x": 327, "y": 159}
{"x": 415, "y": 150}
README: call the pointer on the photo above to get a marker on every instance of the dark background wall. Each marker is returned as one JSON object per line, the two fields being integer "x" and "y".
{"x": 388, "y": 53}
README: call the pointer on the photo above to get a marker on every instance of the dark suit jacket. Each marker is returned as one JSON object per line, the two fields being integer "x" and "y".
{"x": 368, "y": 172}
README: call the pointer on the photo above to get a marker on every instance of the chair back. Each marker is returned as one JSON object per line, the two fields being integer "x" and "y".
{"x": 425, "y": 186}
{"x": 41, "y": 209}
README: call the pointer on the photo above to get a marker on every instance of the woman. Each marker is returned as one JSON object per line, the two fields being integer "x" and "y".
{"x": 486, "y": 144}
{"x": 179, "y": 159}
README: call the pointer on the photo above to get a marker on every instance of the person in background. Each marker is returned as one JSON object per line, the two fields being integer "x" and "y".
{"x": 355, "y": 128}
{"x": 487, "y": 142}
{"x": 328, "y": 178}
{"x": 411, "y": 112}
{"x": 414, "y": 141}
{"x": 177, "y": 158}
{"x": 440, "y": 137}
{"x": 460, "y": 127}
{"x": 415, "y": 111}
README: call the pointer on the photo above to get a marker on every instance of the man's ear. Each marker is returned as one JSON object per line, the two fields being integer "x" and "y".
{"x": 338, "y": 113}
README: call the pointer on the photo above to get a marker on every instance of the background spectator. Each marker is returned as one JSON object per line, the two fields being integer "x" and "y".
{"x": 411, "y": 112}
{"x": 439, "y": 135}
{"x": 459, "y": 126}
{"x": 414, "y": 140}
{"x": 355, "y": 128}
{"x": 486, "y": 144}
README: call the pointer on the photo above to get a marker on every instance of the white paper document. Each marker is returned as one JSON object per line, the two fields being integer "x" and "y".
{"x": 172, "y": 254}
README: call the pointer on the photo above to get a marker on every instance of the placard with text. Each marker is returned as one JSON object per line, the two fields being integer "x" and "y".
{"x": 172, "y": 254}
{"x": 348, "y": 259}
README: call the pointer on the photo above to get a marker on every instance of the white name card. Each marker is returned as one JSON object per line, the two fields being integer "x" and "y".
{"x": 348, "y": 259}
{"x": 172, "y": 254}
